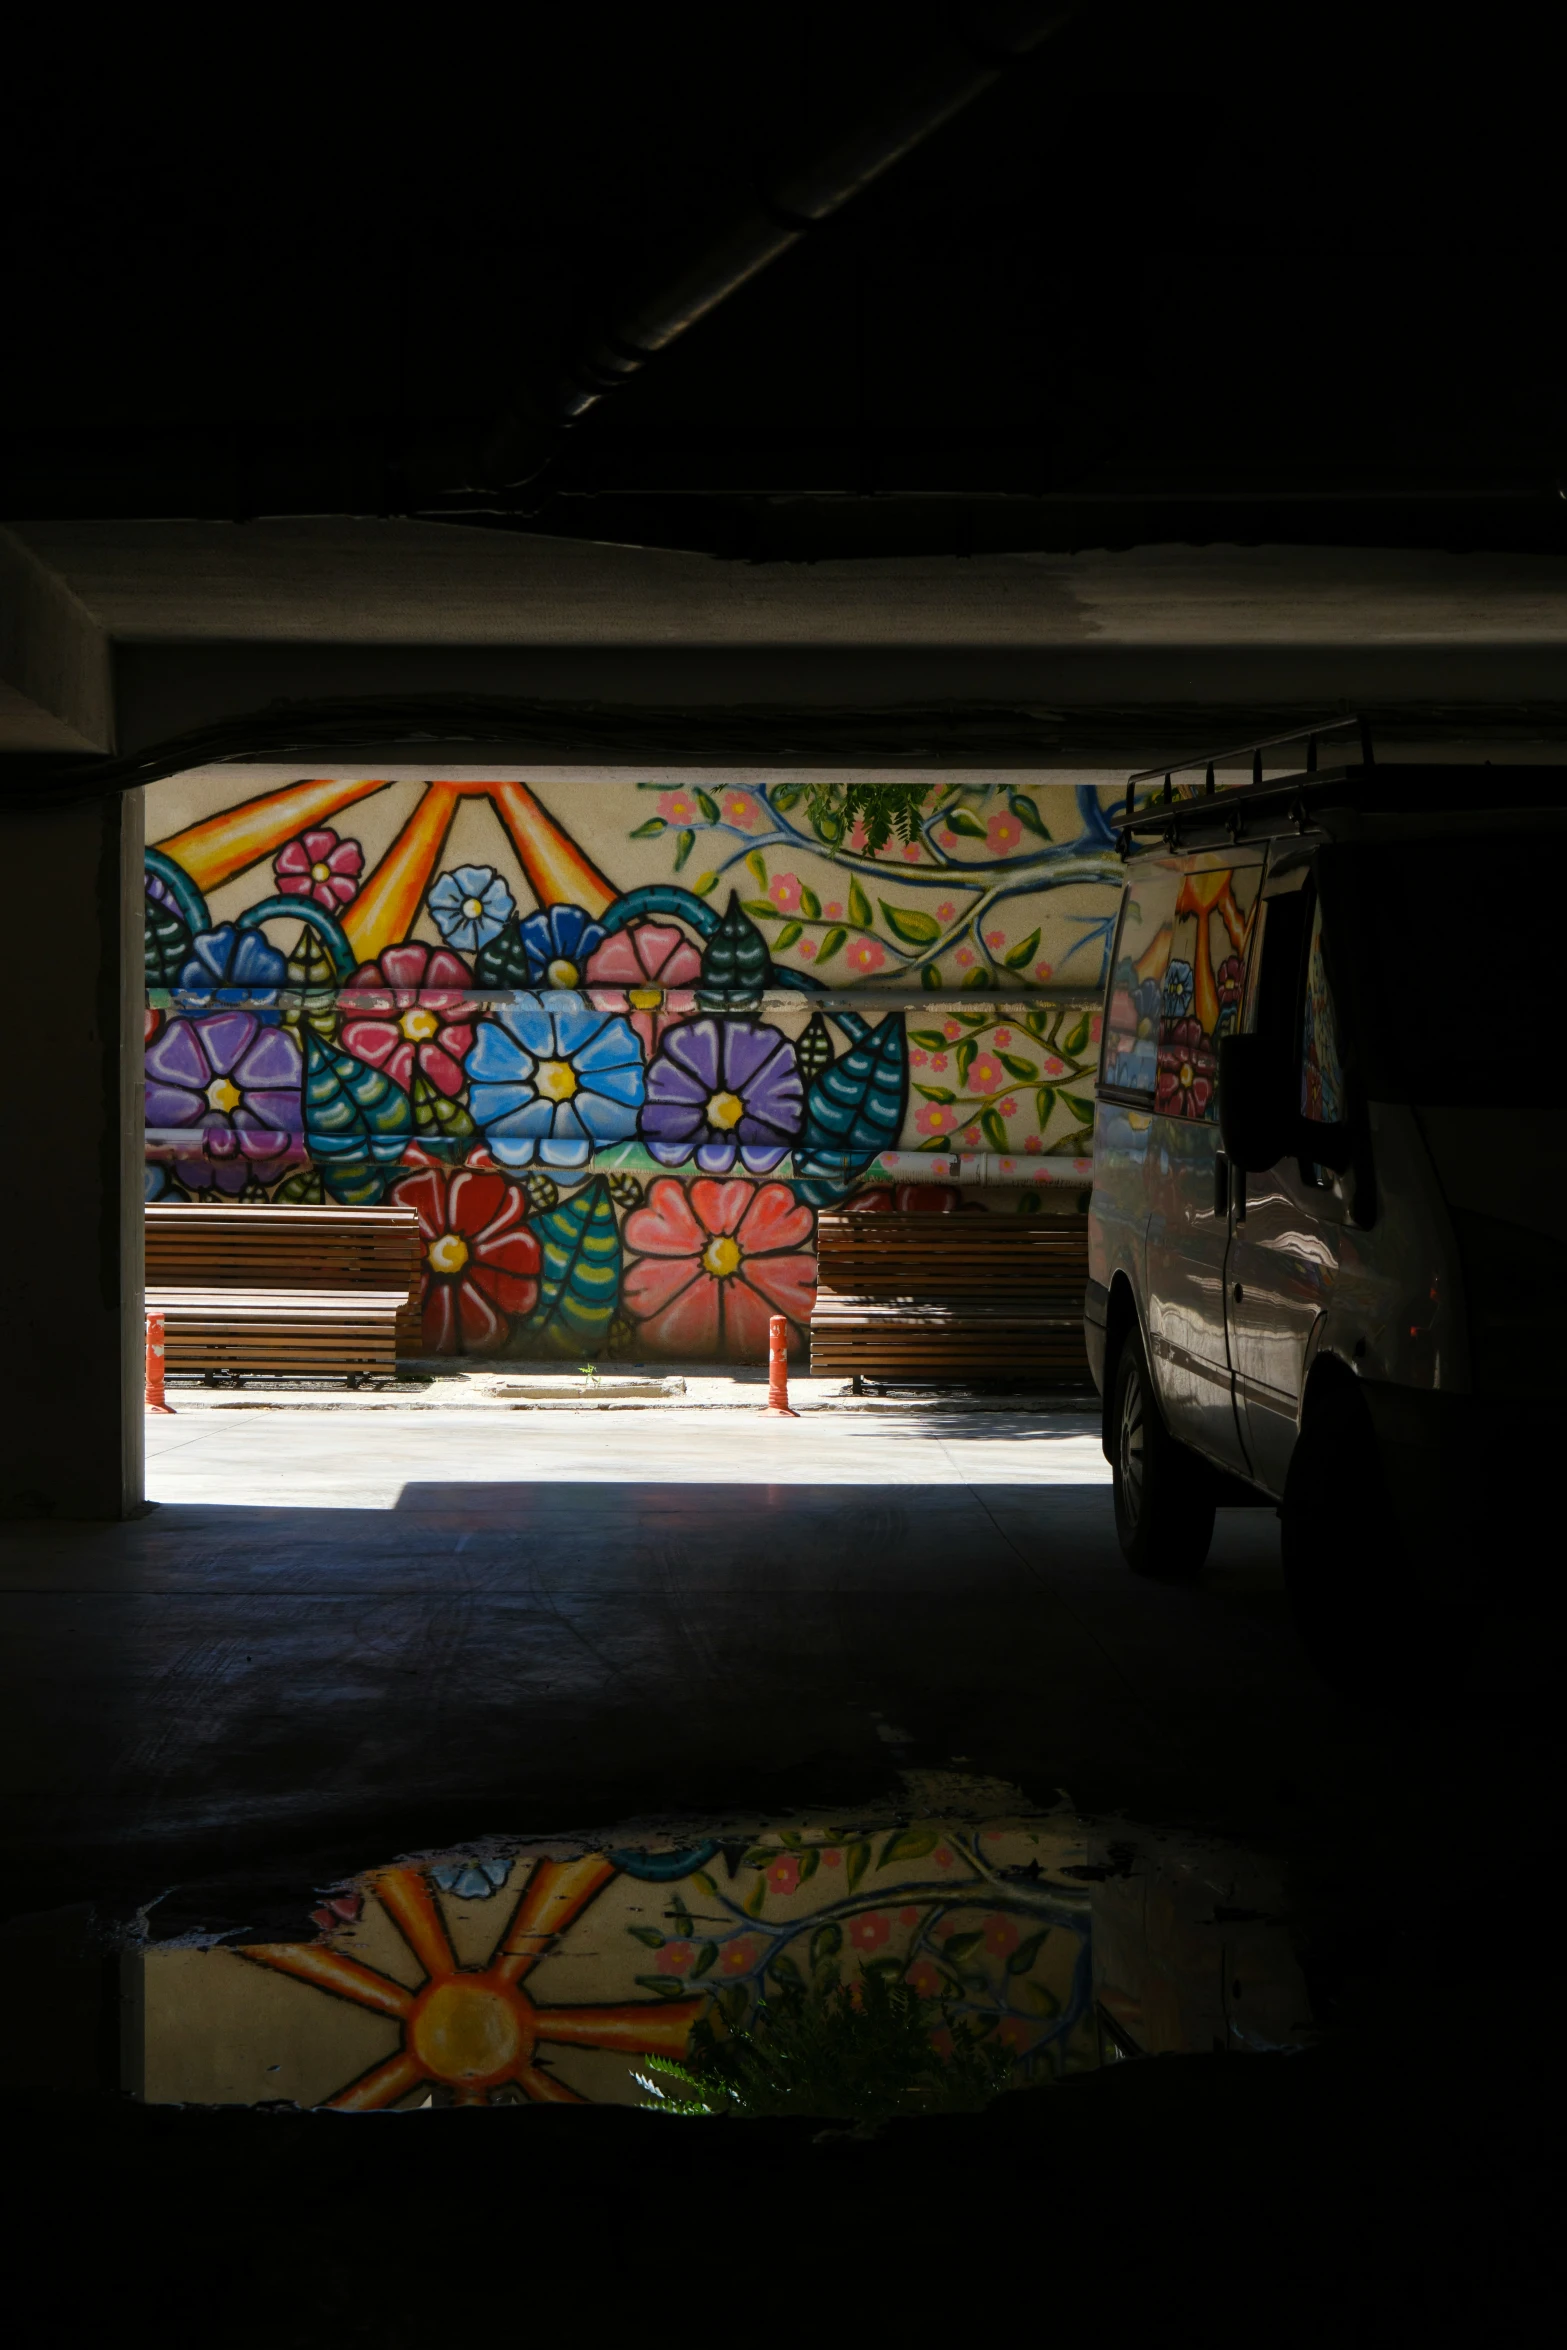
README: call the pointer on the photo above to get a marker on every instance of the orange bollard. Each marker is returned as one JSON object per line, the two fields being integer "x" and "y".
{"x": 778, "y": 1370}
{"x": 155, "y": 1402}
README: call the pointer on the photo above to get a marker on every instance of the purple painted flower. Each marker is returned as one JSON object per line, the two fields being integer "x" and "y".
{"x": 230, "y": 1076}
{"x": 723, "y": 1088}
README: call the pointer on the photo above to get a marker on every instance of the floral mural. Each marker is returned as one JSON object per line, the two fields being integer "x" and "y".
{"x": 615, "y": 1105}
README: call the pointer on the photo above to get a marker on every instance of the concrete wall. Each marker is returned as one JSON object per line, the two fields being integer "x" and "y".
{"x": 617, "y": 1036}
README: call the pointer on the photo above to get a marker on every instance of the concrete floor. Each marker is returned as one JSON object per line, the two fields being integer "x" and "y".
{"x": 338, "y": 1637}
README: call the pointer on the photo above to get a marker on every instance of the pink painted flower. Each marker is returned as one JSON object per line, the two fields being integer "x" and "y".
{"x": 832, "y": 1858}
{"x": 917, "y": 1059}
{"x": 320, "y": 866}
{"x": 740, "y": 808}
{"x": 942, "y": 1857}
{"x": 949, "y": 839}
{"x": 1094, "y": 1026}
{"x": 866, "y": 954}
{"x": 938, "y": 1060}
{"x": 985, "y": 1074}
{"x": 646, "y": 970}
{"x": 965, "y": 955}
{"x": 951, "y": 1030}
{"x": 911, "y": 852}
{"x": 1043, "y": 970}
{"x": 1003, "y": 1036}
{"x": 1054, "y": 1065}
{"x": 971, "y": 1136}
{"x": 1008, "y": 1108}
{"x": 833, "y": 909}
{"x": 945, "y": 911}
{"x": 783, "y": 1874}
{"x": 908, "y": 1917}
{"x": 1032, "y": 1143}
{"x": 935, "y": 1118}
{"x": 806, "y": 946}
{"x": 784, "y": 890}
{"x": 408, "y": 1011}
{"x": 740, "y": 1953}
{"x": 856, "y": 839}
{"x": 870, "y": 1931}
{"x": 678, "y": 807}
{"x": 995, "y": 938}
{"x": 709, "y": 1263}
{"x": 1003, "y": 832}
{"x": 1013, "y": 2033}
{"x": 675, "y": 1958}
{"x": 924, "y": 1979}
{"x": 1001, "y": 1935}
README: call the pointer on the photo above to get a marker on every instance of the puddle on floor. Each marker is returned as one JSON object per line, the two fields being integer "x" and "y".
{"x": 916, "y": 1959}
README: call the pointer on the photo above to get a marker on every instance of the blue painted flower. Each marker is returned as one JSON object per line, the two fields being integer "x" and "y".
{"x": 1179, "y": 989}
{"x": 231, "y": 966}
{"x": 471, "y": 906}
{"x": 472, "y": 1880}
{"x": 557, "y": 944}
{"x": 552, "y": 1079}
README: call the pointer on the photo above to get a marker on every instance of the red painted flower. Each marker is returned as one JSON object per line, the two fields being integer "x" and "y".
{"x": 783, "y": 1875}
{"x": 870, "y": 1931}
{"x": 318, "y": 865}
{"x": 1186, "y": 1070}
{"x": 481, "y": 1262}
{"x": 712, "y": 1262}
{"x": 408, "y": 1011}
{"x": 641, "y": 970}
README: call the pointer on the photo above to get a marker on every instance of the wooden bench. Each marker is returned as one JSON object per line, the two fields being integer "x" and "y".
{"x": 954, "y": 1297}
{"x": 303, "y": 1290}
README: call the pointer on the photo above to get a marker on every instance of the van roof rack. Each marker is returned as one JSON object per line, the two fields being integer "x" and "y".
{"x": 1311, "y": 735}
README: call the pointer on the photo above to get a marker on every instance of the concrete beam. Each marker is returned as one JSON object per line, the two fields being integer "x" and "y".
{"x": 56, "y": 691}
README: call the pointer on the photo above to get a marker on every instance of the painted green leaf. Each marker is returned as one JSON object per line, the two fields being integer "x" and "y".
{"x": 1036, "y": 1018}
{"x": 786, "y": 796}
{"x": 975, "y": 1019}
{"x": 735, "y": 962}
{"x": 1023, "y": 952}
{"x": 579, "y": 1277}
{"x": 830, "y": 944}
{"x": 1079, "y": 1107}
{"x": 752, "y": 1904}
{"x": 663, "y": 1986}
{"x": 978, "y": 978}
{"x": 908, "y": 1844}
{"x": 858, "y": 1861}
{"x": 357, "y": 1122}
{"x": 958, "y": 1946}
{"x": 1015, "y": 1063}
{"x": 1028, "y": 815}
{"x": 930, "y": 1038}
{"x": 681, "y": 1919}
{"x": 810, "y": 903}
{"x": 934, "y": 1093}
{"x": 1044, "y": 1104}
{"x": 814, "y": 1048}
{"x": 440, "y": 1123}
{"x": 993, "y": 1128}
{"x": 1042, "y": 1999}
{"x": 704, "y": 883}
{"x": 930, "y": 976}
{"x": 1026, "y": 1952}
{"x": 784, "y": 1969}
{"x": 648, "y": 1934}
{"x": 787, "y": 936}
{"x": 762, "y": 906}
{"x": 310, "y": 999}
{"x": 301, "y": 1189}
{"x": 908, "y": 923}
{"x": 704, "y": 1884}
{"x": 708, "y": 805}
{"x": 859, "y": 906}
{"x": 503, "y": 961}
{"x": 828, "y": 826}
{"x": 965, "y": 1057}
{"x": 168, "y": 944}
{"x": 705, "y": 1958}
{"x": 964, "y": 821}
{"x": 855, "y": 1108}
{"x": 826, "y": 1943}
{"x": 685, "y": 843}
{"x": 1073, "y": 1044}
{"x": 651, "y": 829}
{"x": 756, "y": 866}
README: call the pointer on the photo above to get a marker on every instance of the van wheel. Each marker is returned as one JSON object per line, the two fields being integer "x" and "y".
{"x": 1357, "y": 1606}
{"x": 1164, "y": 1495}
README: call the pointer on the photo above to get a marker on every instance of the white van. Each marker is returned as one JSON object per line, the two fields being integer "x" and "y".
{"x": 1326, "y": 1249}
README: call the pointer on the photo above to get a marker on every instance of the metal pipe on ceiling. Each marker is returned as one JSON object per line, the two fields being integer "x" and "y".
{"x": 982, "y": 41}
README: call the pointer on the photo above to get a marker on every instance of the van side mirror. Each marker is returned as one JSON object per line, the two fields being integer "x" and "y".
{"x": 1255, "y": 1117}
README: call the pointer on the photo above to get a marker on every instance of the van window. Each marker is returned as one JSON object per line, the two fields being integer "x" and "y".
{"x": 1142, "y": 950}
{"x": 1322, "y": 1096}
{"x": 1204, "y": 980}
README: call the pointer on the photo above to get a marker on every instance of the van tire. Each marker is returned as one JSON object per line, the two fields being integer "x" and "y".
{"x": 1359, "y": 1610}
{"x": 1164, "y": 1495}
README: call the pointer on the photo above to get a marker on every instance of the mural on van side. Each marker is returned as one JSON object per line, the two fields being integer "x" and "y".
{"x": 614, "y": 1105}
{"x": 1178, "y": 984}
{"x": 503, "y": 1979}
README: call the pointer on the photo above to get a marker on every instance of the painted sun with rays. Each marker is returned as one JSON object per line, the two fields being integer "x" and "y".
{"x": 474, "y": 2029}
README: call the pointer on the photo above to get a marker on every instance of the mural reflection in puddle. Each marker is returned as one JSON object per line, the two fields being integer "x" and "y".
{"x": 551, "y": 1975}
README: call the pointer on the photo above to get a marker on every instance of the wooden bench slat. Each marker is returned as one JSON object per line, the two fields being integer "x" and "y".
{"x": 964, "y": 1295}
